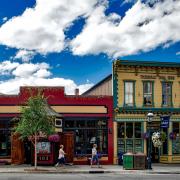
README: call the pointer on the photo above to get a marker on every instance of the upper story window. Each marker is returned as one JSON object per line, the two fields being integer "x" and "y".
{"x": 148, "y": 93}
{"x": 129, "y": 93}
{"x": 166, "y": 94}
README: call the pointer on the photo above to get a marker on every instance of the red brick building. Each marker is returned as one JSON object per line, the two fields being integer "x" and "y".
{"x": 85, "y": 120}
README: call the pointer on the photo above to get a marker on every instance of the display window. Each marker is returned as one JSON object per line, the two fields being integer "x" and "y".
{"x": 5, "y": 138}
{"x": 176, "y": 139}
{"x": 129, "y": 137}
{"x": 87, "y": 133}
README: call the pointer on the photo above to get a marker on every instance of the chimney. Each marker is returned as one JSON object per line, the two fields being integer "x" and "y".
{"x": 77, "y": 92}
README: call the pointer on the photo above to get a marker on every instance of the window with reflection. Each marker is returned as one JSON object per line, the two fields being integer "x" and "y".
{"x": 5, "y": 138}
{"x": 176, "y": 139}
{"x": 129, "y": 137}
{"x": 87, "y": 133}
{"x": 129, "y": 93}
{"x": 148, "y": 93}
{"x": 166, "y": 94}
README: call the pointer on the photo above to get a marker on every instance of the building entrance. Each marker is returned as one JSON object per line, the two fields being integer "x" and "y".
{"x": 156, "y": 152}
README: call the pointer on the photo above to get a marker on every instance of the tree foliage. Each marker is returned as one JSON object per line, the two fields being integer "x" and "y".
{"x": 34, "y": 118}
{"x": 35, "y": 121}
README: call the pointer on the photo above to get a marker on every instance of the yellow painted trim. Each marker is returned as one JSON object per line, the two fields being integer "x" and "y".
{"x": 176, "y": 158}
{"x": 169, "y": 159}
{"x": 115, "y": 143}
{"x": 163, "y": 159}
{"x": 60, "y": 109}
{"x": 80, "y": 109}
{"x": 169, "y": 140}
{"x": 10, "y": 109}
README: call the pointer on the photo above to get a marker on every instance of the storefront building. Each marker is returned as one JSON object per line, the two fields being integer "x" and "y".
{"x": 84, "y": 120}
{"x": 140, "y": 88}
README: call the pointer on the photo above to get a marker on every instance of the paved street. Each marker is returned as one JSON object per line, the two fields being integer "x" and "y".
{"x": 79, "y": 169}
{"x": 89, "y": 176}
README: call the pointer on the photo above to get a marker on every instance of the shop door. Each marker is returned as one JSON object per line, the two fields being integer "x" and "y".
{"x": 68, "y": 141}
{"x": 17, "y": 150}
{"x": 154, "y": 127}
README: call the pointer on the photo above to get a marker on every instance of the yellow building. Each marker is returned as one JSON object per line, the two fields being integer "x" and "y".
{"x": 143, "y": 87}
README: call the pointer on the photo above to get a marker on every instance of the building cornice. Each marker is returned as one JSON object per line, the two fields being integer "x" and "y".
{"x": 143, "y": 110}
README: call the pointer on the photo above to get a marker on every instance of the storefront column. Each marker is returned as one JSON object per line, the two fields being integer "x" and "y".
{"x": 115, "y": 142}
{"x": 169, "y": 140}
{"x": 145, "y": 141}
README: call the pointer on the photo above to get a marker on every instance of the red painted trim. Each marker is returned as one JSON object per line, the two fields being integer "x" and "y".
{"x": 56, "y": 97}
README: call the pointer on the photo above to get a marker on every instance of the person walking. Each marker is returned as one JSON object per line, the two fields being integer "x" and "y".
{"x": 94, "y": 158}
{"x": 61, "y": 157}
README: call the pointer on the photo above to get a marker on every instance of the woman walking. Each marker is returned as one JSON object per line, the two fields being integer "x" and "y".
{"x": 61, "y": 158}
{"x": 94, "y": 158}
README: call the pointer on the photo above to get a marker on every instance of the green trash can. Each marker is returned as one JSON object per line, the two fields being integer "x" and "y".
{"x": 128, "y": 161}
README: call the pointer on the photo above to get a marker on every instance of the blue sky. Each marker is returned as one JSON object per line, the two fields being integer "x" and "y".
{"x": 72, "y": 43}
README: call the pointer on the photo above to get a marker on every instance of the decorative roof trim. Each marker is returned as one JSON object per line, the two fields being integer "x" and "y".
{"x": 147, "y": 63}
{"x": 129, "y": 110}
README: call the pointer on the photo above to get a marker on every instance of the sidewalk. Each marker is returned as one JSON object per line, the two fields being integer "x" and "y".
{"x": 157, "y": 169}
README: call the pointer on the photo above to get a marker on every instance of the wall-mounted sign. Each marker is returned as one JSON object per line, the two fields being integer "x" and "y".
{"x": 43, "y": 147}
{"x": 154, "y": 77}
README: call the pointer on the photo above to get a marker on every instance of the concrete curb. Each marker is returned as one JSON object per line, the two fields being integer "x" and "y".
{"x": 90, "y": 172}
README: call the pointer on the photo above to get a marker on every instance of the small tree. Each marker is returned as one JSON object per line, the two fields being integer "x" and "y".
{"x": 35, "y": 121}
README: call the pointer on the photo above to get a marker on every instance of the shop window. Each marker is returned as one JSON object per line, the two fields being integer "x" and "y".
{"x": 129, "y": 93}
{"x": 121, "y": 133}
{"x": 176, "y": 140}
{"x": 5, "y": 138}
{"x": 147, "y": 93}
{"x": 80, "y": 140}
{"x": 129, "y": 130}
{"x": 91, "y": 123}
{"x": 87, "y": 133}
{"x": 166, "y": 94}
{"x": 129, "y": 137}
{"x": 80, "y": 124}
{"x": 69, "y": 124}
{"x": 138, "y": 130}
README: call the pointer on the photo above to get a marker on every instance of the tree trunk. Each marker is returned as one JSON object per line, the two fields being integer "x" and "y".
{"x": 35, "y": 151}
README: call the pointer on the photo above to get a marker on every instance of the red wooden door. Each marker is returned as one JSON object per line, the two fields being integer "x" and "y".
{"x": 17, "y": 150}
{"x": 68, "y": 141}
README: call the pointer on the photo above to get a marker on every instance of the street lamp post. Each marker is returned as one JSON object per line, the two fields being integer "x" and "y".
{"x": 150, "y": 116}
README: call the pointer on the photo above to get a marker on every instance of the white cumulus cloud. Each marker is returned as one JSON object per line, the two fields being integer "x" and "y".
{"x": 25, "y": 55}
{"x": 4, "y": 19}
{"x": 28, "y": 74}
{"x": 143, "y": 28}
{"x": 26, "y": 70}
{"x": 7, "y": 66}
{"x": 178, "y": 53}
{"x": 42, "y": 27}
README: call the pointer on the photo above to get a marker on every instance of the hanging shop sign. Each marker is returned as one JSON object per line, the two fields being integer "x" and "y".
{"x": 165, "y": 121}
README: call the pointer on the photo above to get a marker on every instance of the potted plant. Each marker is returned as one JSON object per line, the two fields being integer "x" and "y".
{"x": 156, "y": 139}
{"x": 172, "y": 135}
{"x": 145, "y": 135}
{"x": 163, "y": 136}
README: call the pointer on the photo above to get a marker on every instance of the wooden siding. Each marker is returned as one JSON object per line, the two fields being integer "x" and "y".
{"x": 103, "y": 89}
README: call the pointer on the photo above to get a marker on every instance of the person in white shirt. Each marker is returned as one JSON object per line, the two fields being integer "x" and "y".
{"x": 61, "y": 158}
{"x": 94, "y": 157}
